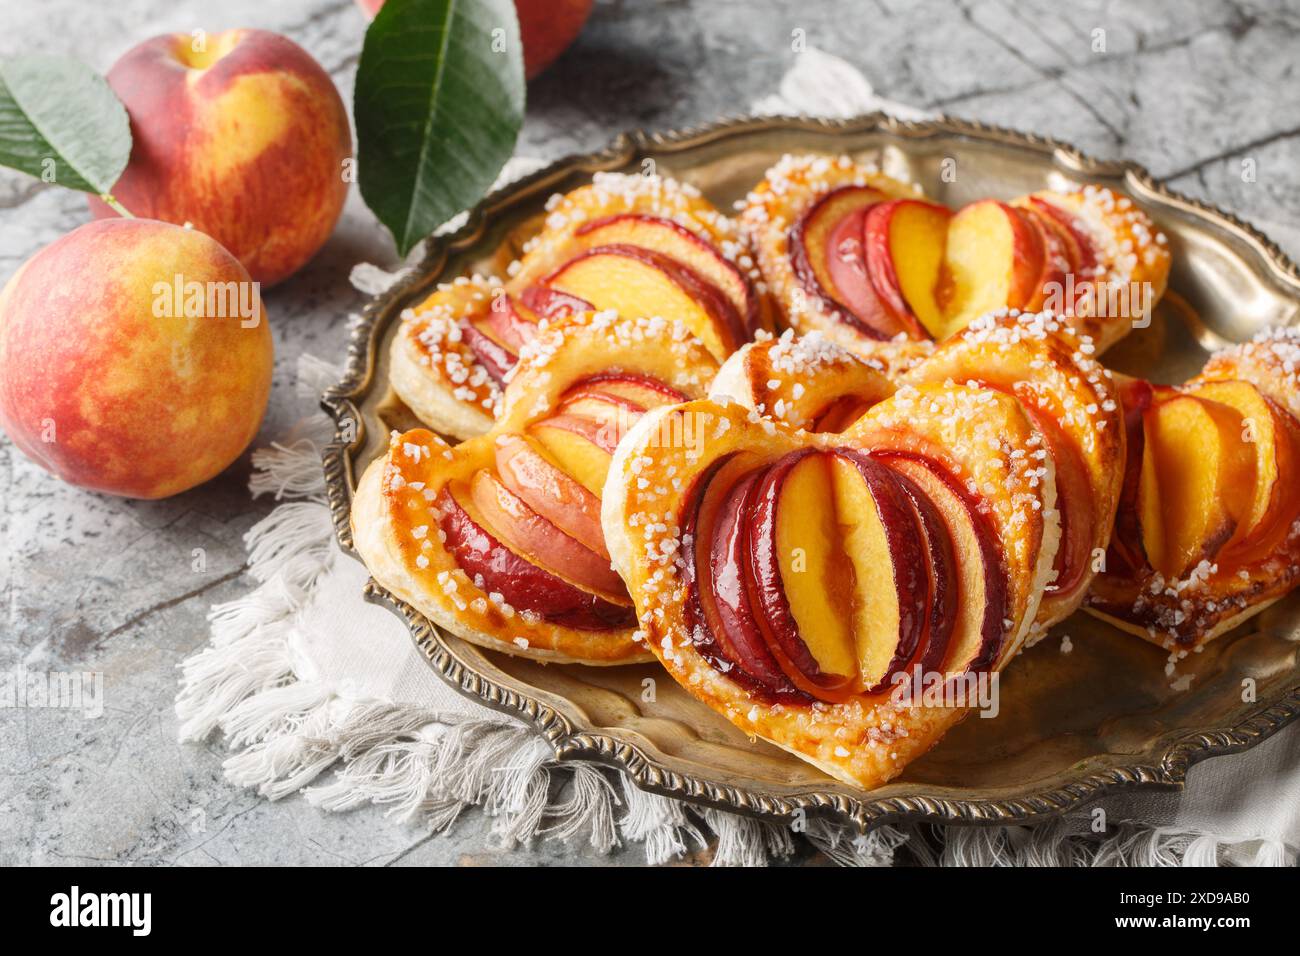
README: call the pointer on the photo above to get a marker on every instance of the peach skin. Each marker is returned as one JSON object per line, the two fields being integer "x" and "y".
{"x": 243, "y": 136}
{"x": 135, "y": 358}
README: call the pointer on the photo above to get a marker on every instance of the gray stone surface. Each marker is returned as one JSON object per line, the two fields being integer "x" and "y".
{"x": 1190, "y": 89}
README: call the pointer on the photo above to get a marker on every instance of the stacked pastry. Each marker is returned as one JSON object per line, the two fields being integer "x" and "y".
{"x": 925, "y": 470}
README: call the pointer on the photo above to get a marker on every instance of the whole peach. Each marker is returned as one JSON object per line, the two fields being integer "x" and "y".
{"x": 546, "y": 27}
{"x": 135, "y": 357}
{"x": 240, "y": 134}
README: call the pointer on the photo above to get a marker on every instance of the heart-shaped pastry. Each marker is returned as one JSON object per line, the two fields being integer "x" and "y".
{"x": 1208, "y": 528}
{"x": 498, "y": 539}
{"x": 1072, "y": 400}
{"x": 793, "y": 580}
{"x": 866, "y": 259}
{"x": 635, "y": 244}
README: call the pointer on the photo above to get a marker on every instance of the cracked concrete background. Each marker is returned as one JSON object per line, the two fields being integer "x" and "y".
{"x": 1189, "y": 88}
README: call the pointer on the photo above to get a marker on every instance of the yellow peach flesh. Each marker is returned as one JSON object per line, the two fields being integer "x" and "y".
{"x": 916, "y": 242}
{"x": 875, "y": 616}
{"x": 813, "y": 573}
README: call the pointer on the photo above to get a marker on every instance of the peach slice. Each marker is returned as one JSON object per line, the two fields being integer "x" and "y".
{"x": 1083, "y": 252}
{"x": 637, "y": 282}
{"x": 1063, "y": 256}
{"x": 717, "y": 597}
{"x": 883, "y": 543}
{"x": 905, "y": 244}
{"x": 1266, "y": 426}
{"x": 526, "y": 532}
{"x": 522, "y": 584}
{"x": 1056, "y": 263}
{"x": 510, "y": 322}
{"x": 1151, "y": 523}
{"x": 829, "y": 257}
{"x": 496, "y": 359}
{"x": 549, "y": 491}
{"x": 982, "y": 597}
{"x": 612, "y": 415}
{"x": 634, "y": 391}
{"x": 681, "y": 244}
{"x": 797, "y": 586}
{"x": 547, "y": 303}
{"x": 809, "y": 556}
{"x": 994, "y": 260}
{"x": 941, "y": 576}
{"x": 1198, "y": 457}
{"x": 573, "y": 443}
{"x": 1126, "y": 554}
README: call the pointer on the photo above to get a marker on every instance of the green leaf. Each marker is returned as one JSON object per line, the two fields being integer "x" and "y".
{"x": 61, "y": 122}
{"x": 438, "y": 104}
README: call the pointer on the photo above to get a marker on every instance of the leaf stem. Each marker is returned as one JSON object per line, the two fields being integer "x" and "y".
{"x": 116, "y": 206}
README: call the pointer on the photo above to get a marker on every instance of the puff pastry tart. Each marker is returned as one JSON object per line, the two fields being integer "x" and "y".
{"x": 791, "y": 580}
{"x": 866, "y": 259}
{"x": 1208, "y": 529}
{"x": 639, "y": 245}
{"x": 1070, "y": 398}
{"x": 499, "y": 538}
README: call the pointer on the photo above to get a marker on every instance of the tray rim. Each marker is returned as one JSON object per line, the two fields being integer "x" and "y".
{"x": 570, "y": 742}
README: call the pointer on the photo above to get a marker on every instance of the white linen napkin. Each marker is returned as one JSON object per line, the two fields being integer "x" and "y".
{"x": 319, "y": 692}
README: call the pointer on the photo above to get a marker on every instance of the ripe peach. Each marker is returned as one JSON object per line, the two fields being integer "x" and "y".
{"x": 135, "y": 358}
{"x": 547, "y": 27}
{"x": 243, "y": 136}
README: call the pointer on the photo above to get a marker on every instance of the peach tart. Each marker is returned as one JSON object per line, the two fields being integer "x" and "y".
{"x": 637, "y": 245}
{"x": 867, "y": 259}
{"x": 791, "y": 580}
{"x": 1038, "y": 359}
{"x": 1208, "y": 529}
{"x": 498, "y": 539}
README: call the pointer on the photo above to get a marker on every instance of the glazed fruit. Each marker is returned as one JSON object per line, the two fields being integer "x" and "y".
{"x": 1071, "y": 400}
{"x": 793, "y": 583}
{"x": 904, "y": 242}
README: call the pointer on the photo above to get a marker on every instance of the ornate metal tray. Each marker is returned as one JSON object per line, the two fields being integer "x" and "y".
{"x": 1073, "y": 726}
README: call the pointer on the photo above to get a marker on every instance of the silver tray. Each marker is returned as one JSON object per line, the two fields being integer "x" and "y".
{"x": 1073, "y": 727}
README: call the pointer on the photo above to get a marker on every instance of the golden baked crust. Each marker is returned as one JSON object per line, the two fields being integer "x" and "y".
{"x": 399, "y": 511}
{"x": 862, "y": 740}
{"x": 432, "y": 368}
{"x": 1048, "y": 367}
{"x": 795, "y": 380}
